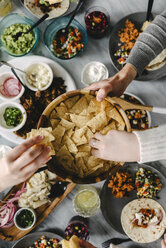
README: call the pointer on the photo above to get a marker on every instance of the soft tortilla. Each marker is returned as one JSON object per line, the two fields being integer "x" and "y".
{"x": 35, "y": 10}
{"x": 138, "y": 234}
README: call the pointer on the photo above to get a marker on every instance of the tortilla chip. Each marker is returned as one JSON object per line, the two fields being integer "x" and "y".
{"x": 58, "y": 133}
{"x": 78, "y": 120}
{"x": 48, "y": 137}
{"x": 79, "y": 140}
{"x": 54, "y": 122}
{"x": 89, "y": 97}
{"x": 120, "y": 126}
{"x": 82, "y": 154}
{"x": 53, "y": 114}
{"x": 113, "y": 114}
{"x": 61, "y": 110}
{"x": 98, "y": 122}
{"x": 71, "y": 101}
{"x": 111, "y": 126}
{"x": 84, "y": 148}
{"x": 80, "y": 105}
{"x": 64, "y": 157}
{"x": 69, "y": 133}
{"x": 89, "y": 135}
{"x": 81, "y": 165}
{"x": 70, "y": 145}
{"x": 67, "y": 124}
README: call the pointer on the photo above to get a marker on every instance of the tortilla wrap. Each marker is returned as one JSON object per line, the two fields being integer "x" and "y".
{"x": 56, "y": 12}
{"x": 158, "y": 61}
{"x": 139, "y": 234}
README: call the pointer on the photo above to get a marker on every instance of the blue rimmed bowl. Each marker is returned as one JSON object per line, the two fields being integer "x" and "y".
{"x": 58, "y": 24}
{"x": 16, "y": 18}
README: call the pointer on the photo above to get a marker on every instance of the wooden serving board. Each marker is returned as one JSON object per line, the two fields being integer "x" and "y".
{"x": 13, "y": 233}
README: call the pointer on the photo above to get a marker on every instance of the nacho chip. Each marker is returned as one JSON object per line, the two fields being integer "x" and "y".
{"x": 48, "y": 137}
{"x": 80, "y": 105}
{"x": 71, "y": 101}
{"x": 61, "y": 110}
{"x": 111, "y": 126}
{"x": 67, "y": 124}
{"x": 79, "y": 140}
{"x": 78, "y": 120}
{"x": 53, "y": 114}
{"x": 54, "y": 122}
{"x": 98, "y": 122}
{"x": 69, "y": 133}
{"x": 113, "y": 114}
{"x": 58, "y": 133}
{"x": 89, "y": 135}
{"x": 70, "y": 145}
{"x": 82, "y": 154}
{"x": 84, "y": 148}
{"x": 64, "y": 157}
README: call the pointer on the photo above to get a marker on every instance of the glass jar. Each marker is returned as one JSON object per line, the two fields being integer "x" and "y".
{"x": 5, "y": 7}
{"x": 97, "y": 21}
{"x": 86, "y": 201}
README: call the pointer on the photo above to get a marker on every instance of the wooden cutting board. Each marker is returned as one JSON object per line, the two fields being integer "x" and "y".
{"x": 13, "y": 233}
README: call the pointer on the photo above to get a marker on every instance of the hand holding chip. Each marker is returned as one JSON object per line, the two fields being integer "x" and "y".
{"x": 116, "y": 146}
{"x": 20, "y": 163}
{"x": 115, "y": 85}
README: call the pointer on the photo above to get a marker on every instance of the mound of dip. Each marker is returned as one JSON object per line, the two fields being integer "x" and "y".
{"x": 39, "y": 76}
{"x": 23, "y": 44}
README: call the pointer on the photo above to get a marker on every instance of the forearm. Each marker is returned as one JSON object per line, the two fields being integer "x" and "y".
{"x": 149, "y": 44}
{"x": 152, "y": 144}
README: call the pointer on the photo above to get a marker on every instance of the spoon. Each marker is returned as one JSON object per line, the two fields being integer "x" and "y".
{"x": 32, "y": 76}
{"x": 15, "y": 74}
{"x": 64, "y": 31}
{"x": 16, "y": 36}
{"x": 149, "y": 13}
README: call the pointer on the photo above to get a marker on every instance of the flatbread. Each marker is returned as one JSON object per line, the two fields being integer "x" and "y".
{"x": 139, "y": 234}
{"x": 56, "y": 12}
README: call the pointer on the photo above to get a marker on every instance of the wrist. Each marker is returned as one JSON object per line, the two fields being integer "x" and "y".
{"x": 128, "y": 73}
{"x": 136, "y": 148}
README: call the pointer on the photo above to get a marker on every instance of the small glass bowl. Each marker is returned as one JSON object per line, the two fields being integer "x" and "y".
{"x": 95, "y": 25}
{"x": 15, "y": 18}
{"x": 58, "y": 24}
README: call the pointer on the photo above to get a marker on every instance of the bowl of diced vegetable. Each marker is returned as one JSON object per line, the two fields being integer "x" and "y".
{"x": 69, "y": 44}
{"x": 12, "y": 116}
{"x": 12, "y": 24}
{"x": 24, "y": 218}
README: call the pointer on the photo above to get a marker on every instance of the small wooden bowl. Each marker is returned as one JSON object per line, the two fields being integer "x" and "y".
{"x": 53, "y": 164}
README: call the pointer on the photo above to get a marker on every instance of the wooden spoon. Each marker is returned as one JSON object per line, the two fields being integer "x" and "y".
{"x": 128, "y": 105}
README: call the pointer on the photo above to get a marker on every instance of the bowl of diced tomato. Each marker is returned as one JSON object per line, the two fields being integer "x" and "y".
{"x": 68, "y": 44}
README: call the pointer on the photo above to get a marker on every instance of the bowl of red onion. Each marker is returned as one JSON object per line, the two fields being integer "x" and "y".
{"x": 10, "y": 87}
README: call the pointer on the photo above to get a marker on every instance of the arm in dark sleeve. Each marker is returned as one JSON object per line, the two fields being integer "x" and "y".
{"x": 149, "y": 44}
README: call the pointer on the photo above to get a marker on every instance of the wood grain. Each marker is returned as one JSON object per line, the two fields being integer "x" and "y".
{"x": 13, "y": 233}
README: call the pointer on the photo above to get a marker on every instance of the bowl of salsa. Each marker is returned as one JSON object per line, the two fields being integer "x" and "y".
{"x": 67, "y": 45}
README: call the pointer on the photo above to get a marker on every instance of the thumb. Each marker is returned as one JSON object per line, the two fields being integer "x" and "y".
{"x": 101, "y": 94}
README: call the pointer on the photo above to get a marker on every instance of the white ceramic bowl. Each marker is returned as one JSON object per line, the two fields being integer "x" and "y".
{"x": 18, "y": 212}
{"x": 92, "y": 71}
{"x": 140, "y": 100}
{"x": 3, "y": 125}
{"x": 3, "y": 77}
{"x": 31, "y": 67}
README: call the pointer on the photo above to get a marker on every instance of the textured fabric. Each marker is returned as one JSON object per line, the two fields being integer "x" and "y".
{"x": 149, "y": 44}
{"x": 152, "y": 144}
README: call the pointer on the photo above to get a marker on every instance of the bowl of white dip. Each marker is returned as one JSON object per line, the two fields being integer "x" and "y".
{"x": 93, "y": 72}
{"x": 39, "y": 76}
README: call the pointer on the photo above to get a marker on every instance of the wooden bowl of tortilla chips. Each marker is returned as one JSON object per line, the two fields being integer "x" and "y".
{"x": 74, "y": 118}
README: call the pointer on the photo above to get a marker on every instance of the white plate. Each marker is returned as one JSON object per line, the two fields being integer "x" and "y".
{"x": 24, "y": 62}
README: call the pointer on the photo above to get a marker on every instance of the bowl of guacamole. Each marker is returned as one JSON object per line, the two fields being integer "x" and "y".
{"x": 10, "y": 25}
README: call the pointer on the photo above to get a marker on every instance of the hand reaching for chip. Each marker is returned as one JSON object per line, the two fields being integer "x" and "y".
{"x": 116, "y": 146}
{"x": 115, "y": 85}
{"x": 20, "y": 163}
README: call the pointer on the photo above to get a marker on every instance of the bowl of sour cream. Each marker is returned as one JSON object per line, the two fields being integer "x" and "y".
{"x": 39, "y": 76}
{"x": 93, "y": 72}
